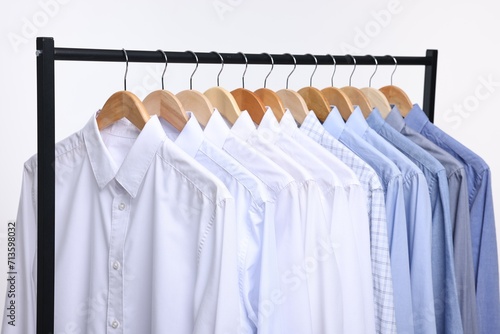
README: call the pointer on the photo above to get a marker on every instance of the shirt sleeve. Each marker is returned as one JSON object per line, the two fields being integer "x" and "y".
{"x": 290, "y": 303}
{"x": 322, "y": 264}
{"x": 20, "y": 297}
{"x": 397, "y": 233}
{"x": 448, "y": 319}
{"x": 349, "y": 250}
{"x": 485, "y": 250}
{"x": 216, "y": 305}
{"x": 462, "y": 247}
{"x": 419, "y": 222}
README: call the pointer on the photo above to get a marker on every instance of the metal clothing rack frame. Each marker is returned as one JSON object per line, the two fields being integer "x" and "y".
{"x": 47, "y": 55}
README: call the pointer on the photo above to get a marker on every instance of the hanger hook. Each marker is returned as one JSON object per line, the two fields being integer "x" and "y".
{"x": 272, "y": 67}
{"x": 246, "y": 67}
{"x": 395, "y": 66}
{"x": 126, "y": 70}
{"x": 222, "y": 65}
{"x": 315, "y": 68}
{"x": 334, "y": 67}
{"x": 354, "y": 69}
{"x": 165, "y": 69}
{"x": 376, "y": 66}
{"x": 196, "y": 68}
{"x": 294, "y": 67}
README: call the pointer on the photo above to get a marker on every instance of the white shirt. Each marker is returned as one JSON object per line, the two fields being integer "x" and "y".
{"x": 290, "y": 303}
{"x": 312, "y": 228}
{"x": 352, "y": 254}
{"x": 145, "y": 238}
{"x": 257, "y": 263}
{"x": 326, "y": 286}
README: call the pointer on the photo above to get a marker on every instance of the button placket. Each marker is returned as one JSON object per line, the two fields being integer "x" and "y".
{"x": 119, "y": 224}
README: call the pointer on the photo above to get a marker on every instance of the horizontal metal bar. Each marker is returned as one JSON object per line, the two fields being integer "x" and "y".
{"x": 107, "y": 55}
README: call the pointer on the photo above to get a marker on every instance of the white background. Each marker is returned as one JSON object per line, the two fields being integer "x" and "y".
{"x": 464, "y": 32}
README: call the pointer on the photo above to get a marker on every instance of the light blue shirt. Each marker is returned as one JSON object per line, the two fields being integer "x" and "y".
{"x": 482, "y": 220}
{"x": 446, "y": 305}
{"x": 460, "y": 223}
{"x": 411, "y": 229}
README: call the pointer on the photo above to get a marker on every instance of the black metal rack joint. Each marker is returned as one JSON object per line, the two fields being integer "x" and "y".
{"x": 47, "y": 54}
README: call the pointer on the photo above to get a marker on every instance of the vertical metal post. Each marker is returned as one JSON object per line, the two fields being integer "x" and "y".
{"x": 430, "y": 84}
{"x": 46, "y": 185}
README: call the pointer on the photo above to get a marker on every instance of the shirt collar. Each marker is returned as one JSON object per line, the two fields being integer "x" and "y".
{"x": 416, "y": 118}
{"x": 311, "y": 121}
{"x": 269, "y": 127}
{"x": 191, "y": 136}
{"x": 375, "y": 120}
{"x": 395, "y": 119}
{"x": 216, "y": 130}
{"x": 133, "y": 169}
{"x": 244, "y": 126}
{"x": 288, "y": 124}
{"x": 334, "y": 123}
{"x": 357, "y": 123}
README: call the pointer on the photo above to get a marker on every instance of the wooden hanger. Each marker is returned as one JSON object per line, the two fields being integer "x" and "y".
{"x": 314, "y": 98}
{"x": 374, "y": 96}
{"x": 222, "y": 99}
{"x": 123, "y": 104}
{"x": 272, "y": 100}
{"x": 336, "y": 97}
{"x": 396, "y": 95}
{"x": 248, "y": 100}
{"x": 377, "y": 100}
{"x": 292, "y": 100}
{"x": 166, "y": 105}
{"x": 269, "y": 98}
{"x": 356, "y": 95}
{"x": 196, "y": 102}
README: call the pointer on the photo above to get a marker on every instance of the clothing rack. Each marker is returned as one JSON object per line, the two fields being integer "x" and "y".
{"x": 47, "y": 55}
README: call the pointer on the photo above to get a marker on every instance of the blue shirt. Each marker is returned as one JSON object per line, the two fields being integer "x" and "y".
{"x": 415, "y": 234}
{"x": 425, "y": 318}
{"x": 482, "y": 220}
{"x": 446, "y": 305}
{"x": 460, "y": 222}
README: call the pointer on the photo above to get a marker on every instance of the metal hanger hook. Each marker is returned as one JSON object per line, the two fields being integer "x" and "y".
{"x": 246, "y": 67}
{"x": 165, "y": 69}
{"x": 222, "y": 66}
{"x": 315, "y": 68}
{"x": 334, "y": 68}
{"x": 395, "y": 66}
{"x": 294, "y": 67}
{"x": 196, "y": 68}
{"x": 376, "y": 66}
{"x": 126, "y": 70}
{"x": 272, "y": 67}
{"x": 353, "y": 70}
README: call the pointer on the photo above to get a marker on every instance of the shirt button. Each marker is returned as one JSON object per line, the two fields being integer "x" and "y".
{"x": 115, "y": 324}
{"x": 121, "y": 206}
{"x": 116, "y": 265}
